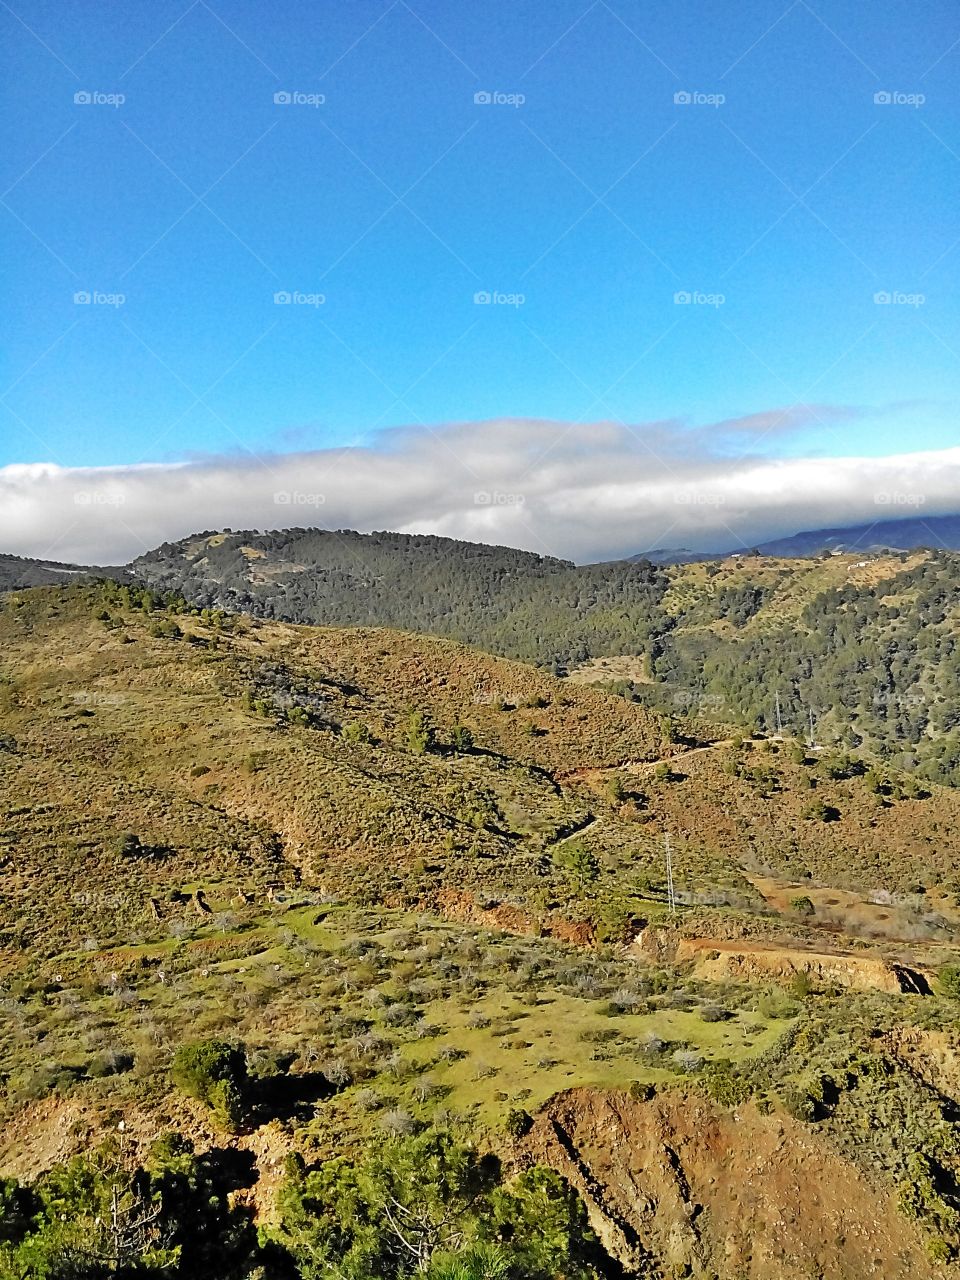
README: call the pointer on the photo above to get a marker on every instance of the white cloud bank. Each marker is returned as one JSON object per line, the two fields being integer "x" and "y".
{"x": 581, "y": 491}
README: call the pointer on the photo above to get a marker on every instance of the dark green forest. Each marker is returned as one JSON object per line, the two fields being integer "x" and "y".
{"x": 425, "y": 1205}
{"x": 875, "y": 668}
{"x": 506, "y": 601}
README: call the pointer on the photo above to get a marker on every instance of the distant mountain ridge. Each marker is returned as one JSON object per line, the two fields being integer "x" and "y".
{"x": 19, "y": 572}
{"x": 937, "y": 532}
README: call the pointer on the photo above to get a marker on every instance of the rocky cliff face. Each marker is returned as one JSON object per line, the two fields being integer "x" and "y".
{"x": 674, "y": 1186}
{"x": 743, "y": 960}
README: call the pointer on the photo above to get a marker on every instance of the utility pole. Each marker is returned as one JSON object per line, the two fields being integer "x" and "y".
{"x": 779, "y": 721}
{"x": 813, "y": 741}
{"x": 671, "y": 896}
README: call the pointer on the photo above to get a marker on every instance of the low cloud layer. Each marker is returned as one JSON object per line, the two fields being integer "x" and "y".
{"x": 581, "y": 491}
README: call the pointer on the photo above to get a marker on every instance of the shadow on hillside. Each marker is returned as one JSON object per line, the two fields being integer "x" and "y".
{"x": 288, "y": 1096}
{"x": 229, "y": 1168}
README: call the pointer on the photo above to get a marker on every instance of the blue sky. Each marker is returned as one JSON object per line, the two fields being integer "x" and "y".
{"x": 597, "y": 198}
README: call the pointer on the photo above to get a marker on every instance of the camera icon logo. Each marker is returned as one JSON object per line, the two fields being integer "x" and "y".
{"x": 282, "y": 299}
{"x": 82, "y": 98}
{"x": 682, "y": 98}
{"x": 282, "y": 98}
{"x": 483, "y": 98}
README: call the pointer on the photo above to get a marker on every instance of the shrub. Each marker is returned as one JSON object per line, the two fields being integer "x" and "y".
{"x": 687, "y": 1061}
{"x": 518, "y": 1122}
{"x": 641, "y": 1091}
{"x": 355, "y": 731}
{"x": 616, "y": 791}
{"x": 579, "y": 863}
{"x": 801, "y": 984}
{"x": 800, "y": 1105}
{"x": 714, "y": 1013}
{"x": 398, "y": 1123}
{"x": 130, "y": 846}
{"x": 215, "y": 1073}
{"x": 418, "y": 732}
{"x": 724, "y": 1084}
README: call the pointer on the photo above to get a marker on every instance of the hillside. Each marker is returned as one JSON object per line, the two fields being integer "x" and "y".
{"x": 18, "y": 572}
{"x": 380, "y": 763}
{"x": 867, "y": 647}
{"x": 511, "y": 602}
{"x": 424, "y": 889}
{"x": 859, "y": 650}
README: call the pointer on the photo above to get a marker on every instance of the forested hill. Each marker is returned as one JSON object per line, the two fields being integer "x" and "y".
{"x": 864, "y": 646}
{"x": 512, "y": 602}
{"x": 858, "y": 650}
{"x": 861, "y": 653}
{"x": 18, "y": 572}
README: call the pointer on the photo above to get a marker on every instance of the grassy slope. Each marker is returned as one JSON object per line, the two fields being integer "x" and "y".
{"x": 117, "y": 730}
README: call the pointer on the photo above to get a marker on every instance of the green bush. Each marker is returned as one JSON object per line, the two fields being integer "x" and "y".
{"x": 215, "y": 1073}
{"x": 418, "y": 733}
{"x": 577, "y": 862}
{"x": 518, "y": 1122}
{"x": 724, "y": 1083}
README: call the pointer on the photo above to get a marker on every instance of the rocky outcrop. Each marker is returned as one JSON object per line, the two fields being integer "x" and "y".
{"x": 721, "y": 960}
{"x": 676, "y": 1186}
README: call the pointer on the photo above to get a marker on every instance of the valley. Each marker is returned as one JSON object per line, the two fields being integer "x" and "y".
{"x": 425, "y": 889}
